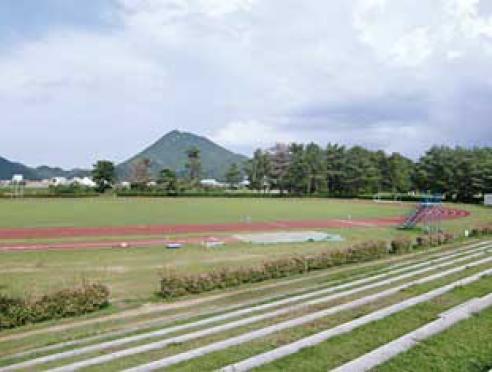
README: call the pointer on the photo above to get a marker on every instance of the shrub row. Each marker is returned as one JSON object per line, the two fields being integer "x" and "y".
{"x": 15, "y": 312}
{"x": 482, "y": 230}
{"x": 222, "y": 194}
{"x": 173, "y": 285}
{"x": 434, "y": 240}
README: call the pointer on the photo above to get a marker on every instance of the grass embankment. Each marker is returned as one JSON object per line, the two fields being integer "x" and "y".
{"x": 369, "y": 336}
{"x": 465, "y": 347}
{"x": 344, "y": 348}
{"x": 112, "y": 319}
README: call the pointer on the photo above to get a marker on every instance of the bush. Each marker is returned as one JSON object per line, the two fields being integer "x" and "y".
{"x": 482, "y": 230}
{"x": 434, "y": 240}
{"x": 15, "y": 312}
{"x": 71, "y": 191}
{"x": 401, "y": 245}
{"x": 173, "y": 285}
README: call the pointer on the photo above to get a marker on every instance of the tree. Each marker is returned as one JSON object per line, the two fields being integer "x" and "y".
{"x": 335, "y": 159}
{"x": 258, "y": 170}
{"x": 140, "y": 173}
{"x": 434, "y": 171}
{"x": 315, "y": 169}
{"x": 194, "y": 164}
{"x": 296, "y": 177}
{"x": 104, "y": 175}
{"x": 233, "y": 175}
{"x": 168, "y": 180}
{"x": 396, "y": 172}
{"x": 280, "y": 159}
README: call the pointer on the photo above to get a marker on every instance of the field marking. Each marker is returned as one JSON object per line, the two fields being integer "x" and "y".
{"x": 479, "y": 247}
{"x": 318, "y": 338}
{"x": 390, "y": 350}
{"x": 357, "y": 223}
{"x": 254, "y": 334}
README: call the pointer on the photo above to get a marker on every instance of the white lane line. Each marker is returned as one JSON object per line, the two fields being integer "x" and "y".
{"x": 318, "y": 338}
{"x": 406, "y": 342}
{"x": 114, "y": 343}
{"x": 237, "y": 340}
{"x": 356, "y": 223}
{"x": 232, "y": 325}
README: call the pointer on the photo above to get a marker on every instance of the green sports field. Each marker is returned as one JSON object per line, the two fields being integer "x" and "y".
{"x": 155, "y": 211}
{"x": 133, "y": 273}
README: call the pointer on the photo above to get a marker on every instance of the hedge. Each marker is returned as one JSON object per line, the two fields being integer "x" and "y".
{"x": 15, "y": 312}
{"x": 221, "y": 194}
{"x": 173, "y": 285}
{"x": 482, "y": 230}
{"x": 402, "y": 245}
{"x": 434, "y": 240}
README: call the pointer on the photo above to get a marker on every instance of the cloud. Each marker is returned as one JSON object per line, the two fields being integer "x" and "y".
{"x": 248, "y": 73}
{"x": 251, "y": 133}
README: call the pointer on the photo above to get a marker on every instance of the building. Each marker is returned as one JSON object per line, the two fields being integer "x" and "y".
{"x": 86, "y": 182}
{"x": 59, "y": 181}
{"x": 212, "y": 183}
{"x": 17, "y": 178}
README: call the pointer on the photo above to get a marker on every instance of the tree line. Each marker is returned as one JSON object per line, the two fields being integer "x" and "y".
{"x": 458, "y": 173}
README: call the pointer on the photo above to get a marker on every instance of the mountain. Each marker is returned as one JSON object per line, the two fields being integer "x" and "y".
{"x": 46, "y": 172}
{"x": 9, "y": 168}
{"x": 170, "y": 152}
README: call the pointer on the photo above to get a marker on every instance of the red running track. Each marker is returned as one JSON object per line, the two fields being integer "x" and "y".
{"x": 63, "y": 232}
{"x": 46, "y": 233}
{"x": 230, "y": 228}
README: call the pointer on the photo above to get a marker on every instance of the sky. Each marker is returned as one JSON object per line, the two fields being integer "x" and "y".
{"x": 87, "y": 80}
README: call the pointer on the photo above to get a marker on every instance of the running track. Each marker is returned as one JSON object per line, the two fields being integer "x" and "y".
{"x": 65, "y": 232}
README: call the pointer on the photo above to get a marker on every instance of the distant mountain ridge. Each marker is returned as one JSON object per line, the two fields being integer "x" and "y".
{"x": 170, "y": 152}
{"x": 45, "y": 172}
{"x": 9, "y": 168}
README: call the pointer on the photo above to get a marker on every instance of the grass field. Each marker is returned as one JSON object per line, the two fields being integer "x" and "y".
{"x": 156, "y": 211}
{"x": 132, "y": 274}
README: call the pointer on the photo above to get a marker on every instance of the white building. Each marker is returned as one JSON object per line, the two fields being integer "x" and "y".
{"x": 17, "y": 178}
{"x": 86, "y": 181}
{"x": 488, "y": 200}
{"x": 244, "y": 183}
{"x": 59, "y": 181}
{"x": 210, "y": 182}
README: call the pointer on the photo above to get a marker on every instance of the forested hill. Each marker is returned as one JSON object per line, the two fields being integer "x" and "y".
{"x": 170, "y": 152}
{"x": 9, "y": 168}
